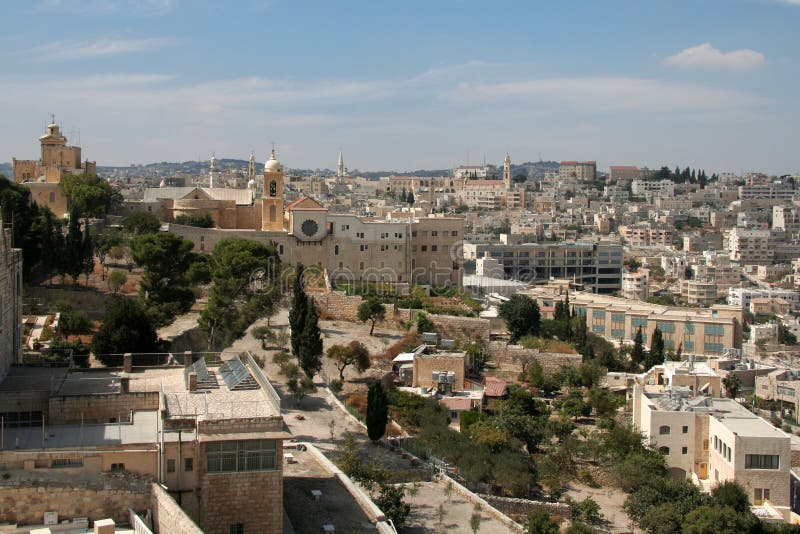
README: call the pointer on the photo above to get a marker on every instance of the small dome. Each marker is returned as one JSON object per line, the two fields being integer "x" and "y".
{"x": 272, "y": 164}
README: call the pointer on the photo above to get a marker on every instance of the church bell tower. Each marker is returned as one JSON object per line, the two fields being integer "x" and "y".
{"x": 272, "y": 198}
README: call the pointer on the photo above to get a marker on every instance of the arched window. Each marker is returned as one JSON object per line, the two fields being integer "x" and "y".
{"x": 664, "y": 429}
{"x": 705, "y": 444}
{"x": 273, "y": 213}
{"x": 336, "y": 250}
{"x": 663, "y": 450}
{"x": 273, "y": 188}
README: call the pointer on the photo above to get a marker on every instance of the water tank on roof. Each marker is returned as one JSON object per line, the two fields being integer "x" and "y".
{"x": 435, "y": 376}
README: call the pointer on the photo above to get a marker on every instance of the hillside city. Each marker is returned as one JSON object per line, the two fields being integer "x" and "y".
{"x": 242, "y": 346}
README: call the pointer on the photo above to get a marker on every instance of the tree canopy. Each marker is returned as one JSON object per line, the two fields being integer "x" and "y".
{"x": 200, "y": 220}
{"x": 91, "y": 195}
{"x": 353, "y": 354}
{"x": 141, "y": 222}
{"x": 126, "y": 328}
{"x": 245, "y": 285}
{"x": 521, "y": 314}
{"x": 373, "y": 310}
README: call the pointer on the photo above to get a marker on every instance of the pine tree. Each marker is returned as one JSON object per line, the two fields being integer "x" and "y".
{"x": 310, "y": 355}
{"x": 297, "y": 314}
{"x": 377, "y": 411}
{"x": 410, "y": 199}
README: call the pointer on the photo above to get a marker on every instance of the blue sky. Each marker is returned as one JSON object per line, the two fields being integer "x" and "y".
{"x": 408, "y": 85}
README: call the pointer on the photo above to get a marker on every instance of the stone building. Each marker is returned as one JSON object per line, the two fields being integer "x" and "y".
{"x": 42, "y": 176}
{"x": 211, "y": 434}
{"x": 10, "y": 302}
{"x": 707, "y": 331}
{"x": 713, "y": 440}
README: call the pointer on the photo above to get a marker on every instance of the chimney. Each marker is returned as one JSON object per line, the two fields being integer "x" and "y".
{"x": 127, "y": 362}
{"x": 125, "y": 384}
{"x": 187, "y": 358}
{"x": 192, "y": 381}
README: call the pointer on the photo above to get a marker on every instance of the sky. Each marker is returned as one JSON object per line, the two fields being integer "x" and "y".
{"x": 406, "y": 85}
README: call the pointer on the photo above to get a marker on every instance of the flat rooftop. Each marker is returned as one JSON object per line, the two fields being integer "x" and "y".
{"x": 143, "y": 432}
{"x": 730, "y": 413}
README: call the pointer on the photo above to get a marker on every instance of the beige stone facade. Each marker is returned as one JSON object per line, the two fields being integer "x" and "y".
{"x": 43, "y": 175}
{"x": 213, "y": 442}
{"x": 708, "y": 331}
{"x": 10, "y": 302}
{"x": 715, "y": 440}
{"x": 428, "y": 368}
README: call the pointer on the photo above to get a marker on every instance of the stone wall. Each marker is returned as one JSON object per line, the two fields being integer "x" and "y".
{"x": 253, "y": 499}
{"x": 24, "y": 498}
{"x": 463, "y": 329}
{"x": 342, "y": 307}
{"x": 511, "y": 356}
{"x": 520, "y": 508}
{"x": 168, "y": 518}
{"x": 100, "y": 408}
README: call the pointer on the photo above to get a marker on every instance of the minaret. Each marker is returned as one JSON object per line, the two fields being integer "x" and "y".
{"x": 251, "y": 167}
{"x": 507, "y": 172}
{"x": 213, "y": 173}
{"x": 272, "y": 198}
{"x": 340, "y": 168}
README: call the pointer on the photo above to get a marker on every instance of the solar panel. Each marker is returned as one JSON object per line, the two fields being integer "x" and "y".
{"x": 236, "y": 375}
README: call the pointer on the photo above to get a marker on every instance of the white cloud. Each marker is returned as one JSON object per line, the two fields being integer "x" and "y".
{"x": 606, "y": 94}
{"x": 71, "y": 50}
{"x": 708, "y": 57}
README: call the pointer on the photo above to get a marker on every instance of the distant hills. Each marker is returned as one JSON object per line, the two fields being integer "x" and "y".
{"x": 534, "y": 170}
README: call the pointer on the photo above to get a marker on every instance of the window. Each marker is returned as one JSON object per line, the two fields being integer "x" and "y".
{"x": 118, "y": 467}
{"x": 434, "y": 233}
{"x": 67, "y": 462}
{"x": 761, "y": 461}
{"x": 170, "y": 466}
{"x": 336, "y": 250}
{"x": 52, "y": 197}
{"x": 434, "y": 248}
{"x": 705, "y": 444}
{"x": 663, "y": 430}
{"x": 188, "y": 464}
{"x": 250, "y": 455}
{"x": 684, "y": 429}
{"x": 760, "y": 495}
{"x": 236, "y": 528}
{"x": 684, "y": 450}
{"x": 424, "y": 248}
{"x": 664, "y": 450}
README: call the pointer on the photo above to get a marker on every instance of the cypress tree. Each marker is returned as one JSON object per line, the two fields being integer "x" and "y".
{"x": 377, "y": 411}
{"x": 637, "y": 354}
{"x": 297, "y": 314}
{"x": 310, "y": 355}
{"x": 656, "y": 354}
{"x": 87, "y": 253}
{"x": 74, "y": 246}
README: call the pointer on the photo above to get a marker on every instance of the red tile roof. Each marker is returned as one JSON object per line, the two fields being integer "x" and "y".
{"x": 494, "y": 387}
{"x": 304, "y": 203}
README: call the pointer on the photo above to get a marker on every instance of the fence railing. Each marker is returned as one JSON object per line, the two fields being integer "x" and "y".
{"x": 138, "y": 524}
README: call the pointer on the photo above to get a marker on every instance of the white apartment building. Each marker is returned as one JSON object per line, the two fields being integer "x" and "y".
{"x": 713, "y": 440}
{"x": 699, "y": 292}
{"x": 475, "y": 172}
{"x": 773, "y": 191}
{"x": 645, "y": 188}
{"x": 750, "y": 246}
{"x": 742, "y": 296}
{"x": 786, "y": 218}
{"x": 635, "y": 285}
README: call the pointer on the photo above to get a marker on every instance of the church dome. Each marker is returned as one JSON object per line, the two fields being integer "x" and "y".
{"x": 272, "y": 164}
